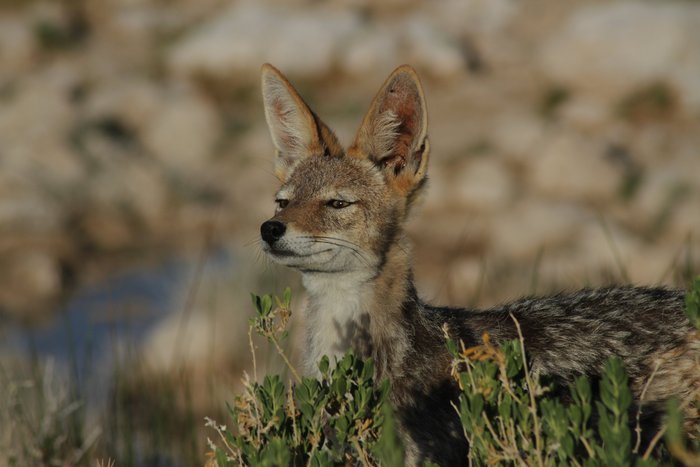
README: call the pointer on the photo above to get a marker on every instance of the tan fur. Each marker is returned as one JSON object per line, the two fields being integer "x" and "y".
{"x": 676, "y": 368}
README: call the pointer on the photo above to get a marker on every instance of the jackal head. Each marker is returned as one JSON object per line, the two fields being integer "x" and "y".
{"x": 342, "y": 210}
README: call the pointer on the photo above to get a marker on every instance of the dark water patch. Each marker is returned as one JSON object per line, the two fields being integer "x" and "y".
{"x": 108, "y": 321}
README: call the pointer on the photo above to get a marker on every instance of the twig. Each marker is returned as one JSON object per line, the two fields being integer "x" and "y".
{"x": 496, "y": 438}
{"x": 588, "y": 447}
{"x": 284, "y": 357}
{"x": 464, "y": 428}
{"x": 292, "y": 414}
{"x": 363, "y": 455}
{"x": 654, "y": 441}
{"x": 252, "y": 352}
{"x": 219, "y": 429}
{"x": 531, "y": 392}
{"x": 638, "y": 427}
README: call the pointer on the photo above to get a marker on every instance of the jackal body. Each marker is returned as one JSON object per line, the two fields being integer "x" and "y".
{"x": 339, "y": 221}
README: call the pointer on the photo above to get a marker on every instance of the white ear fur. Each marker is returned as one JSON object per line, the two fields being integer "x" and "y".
{"x": 291, "y": 122}
{"x": 382, "y": 134}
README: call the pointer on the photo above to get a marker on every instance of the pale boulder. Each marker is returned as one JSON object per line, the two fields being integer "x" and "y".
{"x": 18, "y": 47}
{"x": 482, "y": 184}
{"x": 517, "y": 136}
{"x": 609, "y": 50}
{"x": 369, "y": 51}
{"x": 431, "y": 49}
{"x": 184, "y": 133}
{"x": 533, "y": 225}
{"x": 571, "y": 166}
{"x": 136, "y": 102}
{"x": 233, "y": 44}
{"x": 31, "y": 280}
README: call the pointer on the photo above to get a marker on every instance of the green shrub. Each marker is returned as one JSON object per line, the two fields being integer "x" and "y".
{"x": 511, "y": 418}
{"x": 326, "y": 421}
{"x": 333, "y": 420}
{"x": 508, "y": 416}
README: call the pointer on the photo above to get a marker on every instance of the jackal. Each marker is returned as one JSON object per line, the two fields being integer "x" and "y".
{"x": 339, "y": 221}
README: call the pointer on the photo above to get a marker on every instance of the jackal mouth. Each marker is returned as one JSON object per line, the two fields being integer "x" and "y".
{"x": 280, "y": 253}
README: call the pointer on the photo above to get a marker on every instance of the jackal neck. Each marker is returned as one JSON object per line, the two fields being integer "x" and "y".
{"x": 361, "y": 311}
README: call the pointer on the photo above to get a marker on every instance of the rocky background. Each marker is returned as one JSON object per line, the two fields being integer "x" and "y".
{"x": 565, "y": 145}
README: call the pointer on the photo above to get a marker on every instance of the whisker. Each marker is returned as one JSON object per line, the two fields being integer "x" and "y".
{"x": 354, "y": 251}
{"x": 335, "y": 239}
{"x": 354, "y": 248}
{"x": 255, "y": 240}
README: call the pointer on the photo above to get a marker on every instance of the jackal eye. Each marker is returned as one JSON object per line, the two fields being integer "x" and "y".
{"x": 282, "y": 203}
{"x": 338, "y": 203}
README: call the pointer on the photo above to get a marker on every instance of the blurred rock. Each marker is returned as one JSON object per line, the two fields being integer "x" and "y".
{"x": 483, "y": 184}
{"x": 610, "y": 50}
{"x": 431, "y": 50}
{"x": 533, "y": 225}
{"x": 138, "y": 190}
{"x": 570, "y": 166}
{"x": 195, "y": 345}
{"x": 652, "y": 264}
{"x": 233, "y": 44}
{"x": 585, "y": 113}
{"x": 465, "y": 275}
{"x": 603, "y": 246}
{"x": 438, "y": 194}
{"x": 212, "y": 332}
{"x": 24, "y": 210}
{"x": 106, "y": 229}
{"x": 683, "y": 222}
{"x": 136, "y": 102}
{"x": 518, "y": 136}
{"x": 369, "y": 50}
{"x": 184, "y": 133}
{"x": 473, "y": 16}
{"x": 31, "y": 280}
{"x": 18, "y": 47}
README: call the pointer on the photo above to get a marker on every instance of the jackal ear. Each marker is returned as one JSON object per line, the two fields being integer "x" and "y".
{"x": 393, "y": 134}
{"x": 292, "y": 124}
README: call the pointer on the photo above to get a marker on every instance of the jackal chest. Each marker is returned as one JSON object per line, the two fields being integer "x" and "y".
{"x": 337, "y": 320}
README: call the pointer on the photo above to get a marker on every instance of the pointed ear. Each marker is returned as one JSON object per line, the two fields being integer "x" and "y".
{"x": 393, "y": 134}
{"x": 292, "y": 124}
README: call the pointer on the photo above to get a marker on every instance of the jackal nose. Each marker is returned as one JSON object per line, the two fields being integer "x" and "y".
{"x": 271, "y": 231}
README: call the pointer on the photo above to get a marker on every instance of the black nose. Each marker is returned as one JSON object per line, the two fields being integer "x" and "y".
{"x": 271, "y": 231}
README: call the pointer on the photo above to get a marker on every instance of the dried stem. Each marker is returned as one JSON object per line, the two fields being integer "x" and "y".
{"x": 531, "y": 392}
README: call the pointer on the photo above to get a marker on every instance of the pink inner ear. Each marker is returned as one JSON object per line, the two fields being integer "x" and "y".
{"x": 401, "y": 99}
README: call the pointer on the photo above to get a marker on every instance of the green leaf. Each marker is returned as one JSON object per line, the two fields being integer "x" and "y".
{"x": 504, "y": 408}
{"x": 367, "y": 370}
{"x": 323, "y": 366}
{"x": 321, "y": 459}
{"x": 452, "y": 347}
{"x": 276, "y": 453}
{"x": 256, "y": 302}
{"x": 646, "y": 463}
{"x": 692, "y": 303}
{"x": 221, "y": 458}
{"x": 266, "y": 304}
